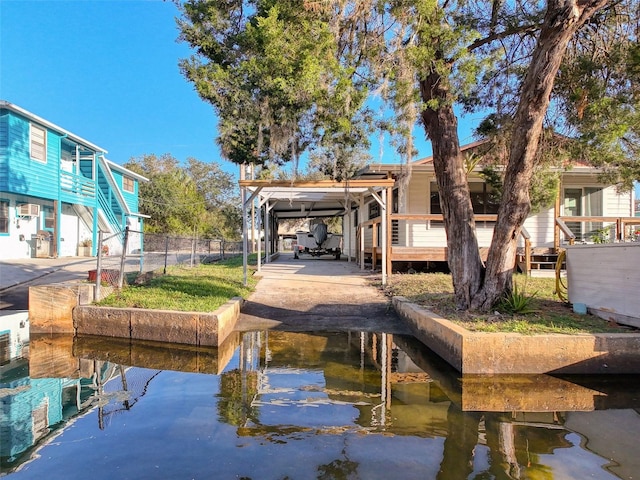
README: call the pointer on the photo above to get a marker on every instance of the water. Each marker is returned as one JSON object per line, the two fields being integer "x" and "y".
{"x": 279, "y": 405}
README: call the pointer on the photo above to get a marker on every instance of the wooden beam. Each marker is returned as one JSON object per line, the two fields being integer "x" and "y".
{"x": 328, "y": 184}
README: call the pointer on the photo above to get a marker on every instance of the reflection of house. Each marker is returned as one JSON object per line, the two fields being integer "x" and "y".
{"x": 586, "y": 210}
{"x": 30, "y": 407}
{"x": 58, "y": 189}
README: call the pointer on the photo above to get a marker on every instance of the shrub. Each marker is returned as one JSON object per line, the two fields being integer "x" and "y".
{"x": 517, "y": 302}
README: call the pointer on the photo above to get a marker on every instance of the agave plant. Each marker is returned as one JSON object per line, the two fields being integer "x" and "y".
{"x": 517, "y": 302}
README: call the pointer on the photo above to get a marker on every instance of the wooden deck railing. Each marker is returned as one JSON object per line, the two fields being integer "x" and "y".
{"x": 618, "y": 225}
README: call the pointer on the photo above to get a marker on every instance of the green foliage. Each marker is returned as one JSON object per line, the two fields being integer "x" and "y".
{"x": 517, "y": 302}
{"x": 601, "y": 235}
{"x": 270, "y": 69}
{"x": 598, "y": 94}
{"x": 198, "y": 198}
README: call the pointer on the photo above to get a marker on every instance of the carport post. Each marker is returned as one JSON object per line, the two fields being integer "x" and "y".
{"x": 258, "y": 224}
{"x": 346, "y": 239}
{"x": 385, "y": 217}
{"x": 267, "y": 231}
{"x": 243, "y": 196}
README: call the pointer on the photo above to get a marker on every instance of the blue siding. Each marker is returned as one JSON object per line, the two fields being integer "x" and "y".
{"x": 27, "y": 176}
{"x": 4, "y": 141}
{"x": 24, "y": 180}
{"x": 130, "y": 197}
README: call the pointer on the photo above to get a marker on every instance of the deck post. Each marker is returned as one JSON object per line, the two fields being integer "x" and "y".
{"x": 387, "y": 246}
{"x": 556, "y": 227}
{"x": 360, "y": 217}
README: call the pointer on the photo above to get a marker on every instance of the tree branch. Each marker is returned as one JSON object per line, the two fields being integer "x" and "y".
{"x": 500, "y": 35}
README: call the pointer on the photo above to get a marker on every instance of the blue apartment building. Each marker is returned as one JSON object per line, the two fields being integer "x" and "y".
{"x": 58, "y": 190}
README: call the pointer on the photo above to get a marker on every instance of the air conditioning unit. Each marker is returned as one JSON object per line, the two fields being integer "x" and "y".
{"x": 29, "y": 210}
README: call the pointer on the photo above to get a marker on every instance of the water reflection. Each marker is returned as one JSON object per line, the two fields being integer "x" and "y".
{"x": 301, "y": 405}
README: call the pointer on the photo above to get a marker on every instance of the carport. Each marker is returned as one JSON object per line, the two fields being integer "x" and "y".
{"x": 290, "y": 199}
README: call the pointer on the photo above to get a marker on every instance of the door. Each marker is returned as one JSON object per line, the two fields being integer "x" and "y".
{"x": 573, "y": 208}
{"x": 585, "y": 202}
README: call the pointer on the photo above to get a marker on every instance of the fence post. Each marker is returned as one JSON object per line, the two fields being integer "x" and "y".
{"x": 123, "y": 257}
{"x": 193, "y": 252}
{"x": 98, "y": 267}
{"x": 222, "y": 249}
{"x": 166, "y": 254}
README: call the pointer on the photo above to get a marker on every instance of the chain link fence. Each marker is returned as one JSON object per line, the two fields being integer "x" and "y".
{"x": 132, "y": 251}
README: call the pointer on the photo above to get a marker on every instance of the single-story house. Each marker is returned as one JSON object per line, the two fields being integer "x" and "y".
{"x": 393, "y": 227}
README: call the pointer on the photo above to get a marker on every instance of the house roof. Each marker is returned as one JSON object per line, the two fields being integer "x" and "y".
{"x": 468, "y": 146}
{"x": 50, "y": 125}
{"x": 379, "y": 170}
{"x": 126, "y": 171}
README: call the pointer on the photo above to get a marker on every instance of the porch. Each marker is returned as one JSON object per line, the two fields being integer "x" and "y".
{"x": 403, "y": 247}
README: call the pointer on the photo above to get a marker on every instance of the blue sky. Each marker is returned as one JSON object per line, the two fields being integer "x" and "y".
{"x": 108, "y": 72}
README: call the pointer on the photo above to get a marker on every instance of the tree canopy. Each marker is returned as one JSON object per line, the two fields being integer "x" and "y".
{"x": 196, "y": 199}
{"x": 290, "y": 75}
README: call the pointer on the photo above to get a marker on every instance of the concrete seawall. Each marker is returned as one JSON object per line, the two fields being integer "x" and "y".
{"x": 512, "y": 353}
{"x": 65, "y": 308}
{"x": 191, "y": 328}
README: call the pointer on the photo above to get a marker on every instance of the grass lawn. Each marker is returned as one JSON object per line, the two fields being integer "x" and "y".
{"x": 546, "y": 314}
{"x": 202, "y": 288}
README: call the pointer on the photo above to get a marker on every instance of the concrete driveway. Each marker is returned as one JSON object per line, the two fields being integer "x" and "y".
{"x": 318, "y": 294}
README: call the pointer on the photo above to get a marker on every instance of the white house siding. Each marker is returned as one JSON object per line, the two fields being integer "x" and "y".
{"x": 134, "y": 243}
{"x": 17, "y": 244}
{"x": 541, "y": 228}
{"x": 615, "y": 204}
{"x": 418, "y": 194}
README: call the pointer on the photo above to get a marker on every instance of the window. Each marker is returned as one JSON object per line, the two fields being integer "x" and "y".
{"x": 484, "y": 200}
{"x": 49, "y": 219}
{"x": 434, "y": 201}
{"x": 38, "y": 143}
{"x": 127, "y": 184}
{"x": 374, "y": 210}
{"x": 4, "y": 216}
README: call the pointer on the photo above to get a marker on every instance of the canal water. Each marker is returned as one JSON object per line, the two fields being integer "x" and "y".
{"x": 282, "y": 405}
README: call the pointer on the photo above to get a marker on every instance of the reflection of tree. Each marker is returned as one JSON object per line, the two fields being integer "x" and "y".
{"x": 462, "y": 438}
{"x": 237, "y": 390}
{"x": 515, "y": 446}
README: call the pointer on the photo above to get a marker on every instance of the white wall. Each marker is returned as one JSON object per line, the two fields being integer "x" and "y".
{"x": 606, "y": 278}
{"x": 11, "y": 246}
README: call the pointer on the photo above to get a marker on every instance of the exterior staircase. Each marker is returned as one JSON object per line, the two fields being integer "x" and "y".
{"x": 540, "y": 258}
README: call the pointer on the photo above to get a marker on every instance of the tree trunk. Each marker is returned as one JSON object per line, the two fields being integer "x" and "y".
{"x": 462, "y": 244}
{"x": 562, "y": 20}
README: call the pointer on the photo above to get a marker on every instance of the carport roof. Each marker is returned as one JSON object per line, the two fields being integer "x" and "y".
{"x": 301, "y": 199}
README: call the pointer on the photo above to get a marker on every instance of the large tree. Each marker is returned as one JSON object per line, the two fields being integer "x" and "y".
{"x": 424, "y": 57}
